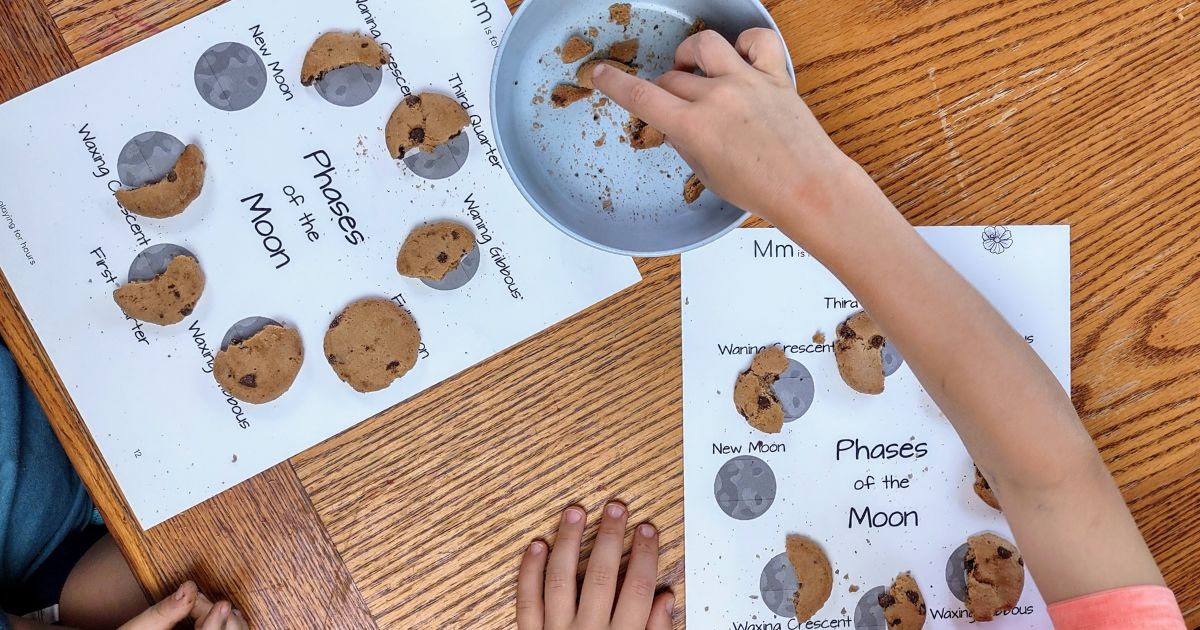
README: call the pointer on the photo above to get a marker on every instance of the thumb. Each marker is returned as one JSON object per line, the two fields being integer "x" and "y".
{"x": 658, "y": 107}
{"x": 662, "y": 613}
{"x": 166, "y": 613}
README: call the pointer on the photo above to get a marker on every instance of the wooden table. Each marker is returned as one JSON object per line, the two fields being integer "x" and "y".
{"x": 1084, "y": 112}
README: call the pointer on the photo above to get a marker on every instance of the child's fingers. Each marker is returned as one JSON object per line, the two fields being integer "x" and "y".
{"x": 709, "y": 52}
{"x": 216, "y": 617}
{"x": 662, "y": 615}
{"x": 562, "y": 568}
{"x": 600, "y": 582}
{"x": 763, "y": 48}
{"x": 531, "y": 608}
{"x": 685, "y": 85}
{"x": 643, "y": 99}
{"x": 166, "y": 613}
{"x": 641, "y": 578}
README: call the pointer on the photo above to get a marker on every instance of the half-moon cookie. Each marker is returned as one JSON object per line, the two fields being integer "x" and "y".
{"x": 583, "y": 76}
{"x": 813, "y": 573}
{"x": 424, "y": 121}
{"x": 642, "y": 136}
{"x": 167, "y": 298}
{"x": 338, "y": 50}
{"x": 984, "y": 490}
{"x": 260, "y": 369}
{"x": 692, "y": 189}
{"x": 754, "y": 394}
{"x": 435, "y": 250}
{"x": 859, "y": 353}
{"x": 372, "y": 343}
{"x": 172, "y": 194}
{"x": 995, "y": 576}
{"x": 902, "y": 604}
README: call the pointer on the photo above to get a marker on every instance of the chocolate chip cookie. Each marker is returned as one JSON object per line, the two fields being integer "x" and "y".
{"x": 642, "y": 136}
{"x": 435, "y": 250}
{"x": 172, "y": 194}
{"x": 260, "y": 369}
{"x": 859, "y": 353}
{"x": 902, "y": 604}
{"x": 575, "y": 49}
{"x": 566, "y": 95}
{"x": 984, "y": 490}
{"x": 372, "y": 343}
{"x": 167, "y": 298}
{"x": 692, "y": 189}
{"x": 424, "y": 121}
{"x": 338, "y": 50}
{"x": 995, "y": 576}
{"x": 625, "y": 52}
{"x": 813, "y": 573}
{"x": 754, "y": 394}
{"x": 620, "y": 13}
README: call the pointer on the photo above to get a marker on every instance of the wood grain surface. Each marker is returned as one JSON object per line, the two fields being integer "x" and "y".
{"x": 972, "y": 112}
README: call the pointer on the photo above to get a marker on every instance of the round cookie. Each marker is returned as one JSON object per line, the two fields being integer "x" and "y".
{"x": 338, "y": 50}
{"x": 583, "y": 76}
{"x": 435, "y": 250}
{"x": 984, "y": 490}
{"x": 167, "y": 298}
{"x": 424, "y": 121}
{"x": 260, "y": 369}
{"x": 372, "y": 343}
{"x": 172, "y": 194}
{"x": 995, "y": 576}
{"x": 813, "y": 573}
{"x": 859, "y": 353}
{"x": 902, "y": 604}
{"x": 753, "y": 394}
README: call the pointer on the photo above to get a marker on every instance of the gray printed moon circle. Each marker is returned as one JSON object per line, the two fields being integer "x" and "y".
{"x": 956, "y": 573}
{"x": 892, "y": 361}
{"x": 461, "y": 275}
{"x": 230, "y": 77}
{"x": 795, "y": 390}
{"x": 868, "y": 614}
{"x": 350, "y": 86}
{"x": 148, "y": 158}
{"x": 777, "y": 585}
{"x": 152, "y": 262}
{"x": 246, "y": 329}
{"x": 745, "y": 487}
{"x": 445, "y": 160}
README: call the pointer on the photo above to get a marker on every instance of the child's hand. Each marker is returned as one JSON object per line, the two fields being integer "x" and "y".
{"x": 742, "y": 127}
{"x": 546, "y": 598}
{"x": 187, "y": 602}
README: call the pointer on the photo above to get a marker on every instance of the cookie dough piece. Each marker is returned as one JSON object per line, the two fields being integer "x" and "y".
{"x": 338, "y": 50}
{"x": 814, "y": 574}
{"x": 566, "y": 95}
{"x": 984, "y": 490}
{"x": 642, "y": 136}
{"x": 754, "y": 395}
{"x": 692, "y": 189}
{"x": 859, "y": 353}
{"x": 995, "y": 576}
{"x": 260, "y": 369}
{"x": 435, "y": 250}
{"x": 902, "y": 604}
{"x": 372, "y": 343}
{"x": 583, "y": 76}
{"x": 624, "y": 52}
{"x": 575, "y": 49}
{"x": 620, "y": 13}
{"x": 424, "y": 121}
{"x": 172, "y": 194}
{"x": 166, "y": 299}
{"x": 697, "y": 26}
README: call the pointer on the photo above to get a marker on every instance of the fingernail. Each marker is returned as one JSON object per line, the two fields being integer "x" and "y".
{"x": 600, "y": 68}
{"x": 574, "y": 515}
{"x": 615, "y": 510}
{"x": 537, "y": 547}
{"x": 646, "y": 531}
{"x": 223, "y": 609}
{"x": 237, "y": 612}
{"x": 178, "y": 594}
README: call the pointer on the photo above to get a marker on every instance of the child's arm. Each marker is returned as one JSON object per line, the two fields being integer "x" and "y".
{"x": 754, "y": 142}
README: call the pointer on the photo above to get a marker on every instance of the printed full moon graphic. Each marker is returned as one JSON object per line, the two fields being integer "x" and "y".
{"x": 745, "y": 487}
{"x": 445, "y": 160}
{"x": 350, "y": 86}
{"x": 230, "y": 77}
{"x": 956, "y": 573}
{"x": 148, "y": 158}
{"x": 868, "y": 614}
{"x": 778, "y": 585}
{"x": 795, "y": 390}
{"x": 152, "y": 262}
{"x": 460, "y": 276}
{"x": 891, "y": 359}
{"x": 246, "y": 329}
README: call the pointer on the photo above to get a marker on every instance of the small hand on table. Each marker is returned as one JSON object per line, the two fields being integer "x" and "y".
{"x": 187, "y": 602}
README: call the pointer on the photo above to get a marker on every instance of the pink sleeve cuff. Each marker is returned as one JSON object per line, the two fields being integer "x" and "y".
{"x": 1129, "y": 608}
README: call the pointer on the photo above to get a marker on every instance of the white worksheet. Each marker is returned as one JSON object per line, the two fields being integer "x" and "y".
{"x": 303, "y": 212}
{"x": 883, "y": 483}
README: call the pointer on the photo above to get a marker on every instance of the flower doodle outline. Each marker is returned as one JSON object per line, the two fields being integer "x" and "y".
{"x": 997, "y": 239}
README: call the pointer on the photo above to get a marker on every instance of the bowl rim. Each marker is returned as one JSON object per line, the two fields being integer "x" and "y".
{"x": 549, "y": 217}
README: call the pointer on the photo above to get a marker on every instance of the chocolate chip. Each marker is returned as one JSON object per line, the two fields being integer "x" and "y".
{"x": 454, "y": 234}
{"x": 886, "y": 600}
{"x": 442, "y": 257}
{"x": 764, "y": 402}
{"x": 413, "y": 101}
{"x": 334, "y": 324}
{"x": 177, "y": 294}
{"x": 1004, "y": 553}
{"x": 876, "y": 341}
{"x": 171, "y": 177}
{"x": 417, "y": 134}
{"x": 922, "y": 609}
{"x": 969, "y": 565}
{"x": 365, "y": 45}
{"x": 558, "y": 100}
{"x": 845, "y": 332}
{"x": 401, "y": 153}
{"x": 332, "y": 358}
{"x": 249, "y": 380}
{"x": 170, "y": 286}
{"x": 895, "y": 622}
{"x": 236, "y": 341}
{"x": 393, "y": 365}
{"x": 1020, "y": 561}
{"x": 912, "y": 596}
{"x": 187, "y": 310}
